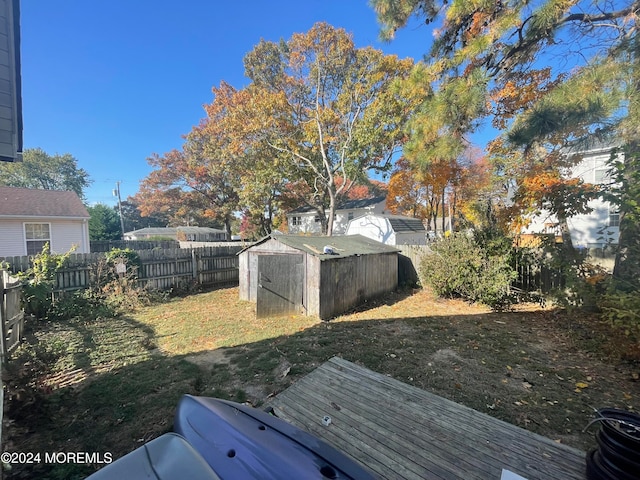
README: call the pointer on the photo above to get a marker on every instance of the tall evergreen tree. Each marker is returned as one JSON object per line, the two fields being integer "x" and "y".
{"x": 485, "y": 54}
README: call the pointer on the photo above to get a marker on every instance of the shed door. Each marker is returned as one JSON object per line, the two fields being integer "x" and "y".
{"x": 280, "y": 282}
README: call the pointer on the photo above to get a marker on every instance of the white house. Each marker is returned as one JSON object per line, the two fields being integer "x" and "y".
{"x": 389, "y": 229}
{"x": 306, "y": 219}
{"x": 592, "y": 230}
{"x": 189, "y": 234}
{"x": 29, "y": 218}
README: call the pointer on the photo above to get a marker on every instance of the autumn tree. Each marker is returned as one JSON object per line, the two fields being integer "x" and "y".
{"x": 133, "y": 219}
{"x": 408, "y": 194}
{"x": 326, "y": 110}
{"x": 38, "y": 169}
{"x": 260, "y": 173}
{"x": 190, "y": 189}
{"x": 483, "y": 51}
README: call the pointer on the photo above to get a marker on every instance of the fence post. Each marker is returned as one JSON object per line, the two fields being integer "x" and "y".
{"x": 194, "y": 265}
{"x": 3, "y": 317}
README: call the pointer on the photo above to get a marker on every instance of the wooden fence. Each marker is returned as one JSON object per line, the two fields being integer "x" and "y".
{"x": 160, "y": 269}
{"x": 98, "y": 246}
{"x": 536, "y": 277}
{"x": 11, "y": 314}
{"x": 409, "y": 261}
{"x": 533, "y": 276}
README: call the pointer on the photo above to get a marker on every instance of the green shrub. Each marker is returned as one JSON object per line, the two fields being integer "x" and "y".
{"x": 109, "y": 294}
{"x": 460, "y": 267}
{"x": 39, "y": 281}
{"x": 82, "y": 303}
{"x": 622, "y": 310}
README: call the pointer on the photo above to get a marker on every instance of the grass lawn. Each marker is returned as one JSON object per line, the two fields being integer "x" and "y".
{"x": 110, "y": 385}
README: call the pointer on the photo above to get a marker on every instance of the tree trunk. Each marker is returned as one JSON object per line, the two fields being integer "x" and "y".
{"x": 569, "y": 253}
{"x": 627, "y": 262}
{"x": 227, "y": 226}
{"x": 444, "y": 223}
{"x": 332, "y": 212}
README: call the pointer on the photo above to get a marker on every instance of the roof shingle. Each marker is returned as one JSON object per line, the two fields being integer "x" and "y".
{"x": 27, "y": 202}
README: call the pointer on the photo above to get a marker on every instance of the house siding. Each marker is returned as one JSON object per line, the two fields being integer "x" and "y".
{"x": 64, "y": 234}
{"x": 375, "y": 228}
{"x": 589, "y": 230}
{"x": 418, "y": 238}
{"x": 12, "y": 238}
{"x": 67, "y": 233}
{"x": 310, "y": 226}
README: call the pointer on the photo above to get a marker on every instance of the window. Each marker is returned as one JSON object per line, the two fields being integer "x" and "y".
{"x": 36, "y": 235}
{"x": 602, "y": 175}
{"x": 317, "y": 219}
{"x": 296, "y": 220}
{"x": 614, "y": 216}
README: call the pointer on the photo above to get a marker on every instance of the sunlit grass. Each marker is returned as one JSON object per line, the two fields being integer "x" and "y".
{"x": 213, "y": 320}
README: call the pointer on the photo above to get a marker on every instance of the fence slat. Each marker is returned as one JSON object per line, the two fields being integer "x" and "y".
{"x": 162, "y": 268}
{"x": 11, "y": 314}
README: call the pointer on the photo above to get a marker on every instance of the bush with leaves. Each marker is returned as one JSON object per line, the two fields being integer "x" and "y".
{"x": 109, "y": 294}
{"x": 39, "y": 281}
{"x": 461, "y": 267}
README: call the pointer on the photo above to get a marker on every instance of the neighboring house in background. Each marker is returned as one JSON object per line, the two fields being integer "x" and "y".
{"x": 307, "y": 221}
{"x": 389, "y": 229}
{"x": 594, "y": 230}
{"x": 187, "y": 234}
{"x": 29, "y": 218}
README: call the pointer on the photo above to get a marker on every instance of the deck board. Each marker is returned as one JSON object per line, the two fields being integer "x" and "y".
{"x": 399, "y": 431}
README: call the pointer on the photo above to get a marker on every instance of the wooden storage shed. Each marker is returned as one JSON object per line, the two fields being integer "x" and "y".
{"x": 291, "y": 273}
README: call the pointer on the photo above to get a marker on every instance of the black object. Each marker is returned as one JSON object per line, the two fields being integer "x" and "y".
{"x": 618, "y": 454}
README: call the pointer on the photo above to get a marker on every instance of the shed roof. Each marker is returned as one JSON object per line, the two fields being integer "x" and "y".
{"x": 343, "y": 246}
{"x": 399, "y": 223}
{"x": 346, "y": 205}
{"x": 31, "y": 202}
{"x": 402, "y": 224}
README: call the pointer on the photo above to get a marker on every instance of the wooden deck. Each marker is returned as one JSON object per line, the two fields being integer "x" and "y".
{"x": 399, "y": 431}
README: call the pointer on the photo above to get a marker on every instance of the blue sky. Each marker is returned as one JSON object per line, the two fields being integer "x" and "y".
{"x": 111, "y": 82}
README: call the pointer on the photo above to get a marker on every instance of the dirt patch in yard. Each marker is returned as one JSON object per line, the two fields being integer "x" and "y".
{"x": 209, "y": 358}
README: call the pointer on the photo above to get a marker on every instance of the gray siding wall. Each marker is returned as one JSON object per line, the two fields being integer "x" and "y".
{"x": 347, "y": 282}
{"x": 9, "y": 90}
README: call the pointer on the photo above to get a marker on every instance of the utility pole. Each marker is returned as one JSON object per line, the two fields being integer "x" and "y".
{"x": 116, "y": 193}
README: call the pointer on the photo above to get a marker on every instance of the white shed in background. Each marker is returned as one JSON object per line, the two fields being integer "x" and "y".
{"x": 389, "y": 229}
